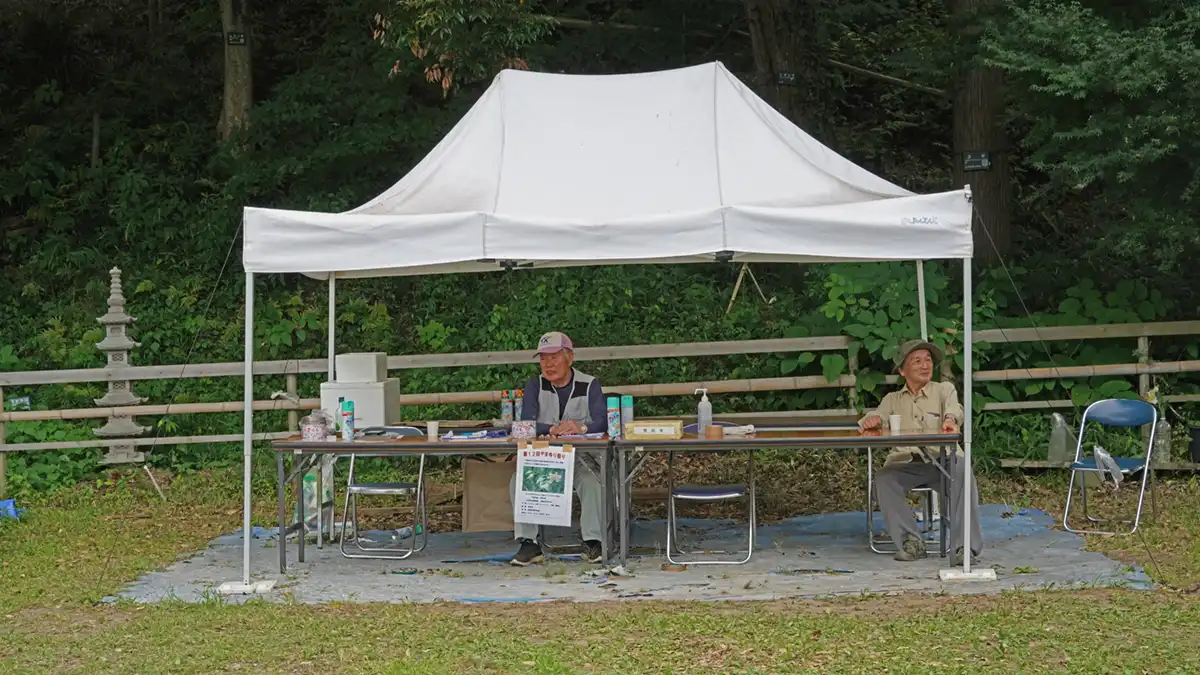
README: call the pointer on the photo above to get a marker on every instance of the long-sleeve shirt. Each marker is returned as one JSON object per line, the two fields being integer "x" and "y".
{"x": 597, "y": 408}
{"x": 924, "y": 411}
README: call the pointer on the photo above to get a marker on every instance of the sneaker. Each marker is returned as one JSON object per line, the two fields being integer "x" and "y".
{"x": 529, "y": 553}
{"x": 912, "y": 549}
{"x": 593, "y": 552}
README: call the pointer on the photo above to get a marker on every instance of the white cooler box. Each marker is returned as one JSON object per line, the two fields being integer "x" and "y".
{"x": 376, "y": 404}
{"x": 360, "y": 368}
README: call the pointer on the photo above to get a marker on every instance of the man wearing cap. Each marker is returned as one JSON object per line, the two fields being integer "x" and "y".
{"x": 929, "y": 407}
{"x": 565, "y": 402}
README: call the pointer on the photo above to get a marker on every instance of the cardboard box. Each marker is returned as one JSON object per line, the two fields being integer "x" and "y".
{"x": 487, "y": 505}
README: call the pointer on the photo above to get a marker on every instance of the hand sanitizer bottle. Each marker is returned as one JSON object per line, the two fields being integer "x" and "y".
{"x": 703, "y": 414}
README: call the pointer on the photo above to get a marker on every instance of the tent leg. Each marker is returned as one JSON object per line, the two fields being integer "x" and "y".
{"x": 331, "y": 349}
{"x": 921, "y": 299}
{"x": 966, "y": 573}
{"x": 935, "y": 501}
{"x": 245, "y": 586}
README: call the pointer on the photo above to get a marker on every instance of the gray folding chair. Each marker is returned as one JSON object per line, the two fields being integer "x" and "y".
{"x": 1113, "y": 412}
{"x": 930, "y": 528}
{"x": 415, "y": 490}
{"x": 708, "y": 494}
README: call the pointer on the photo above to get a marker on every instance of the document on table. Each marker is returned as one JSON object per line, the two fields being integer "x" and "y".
{"x": 545, "y": 484}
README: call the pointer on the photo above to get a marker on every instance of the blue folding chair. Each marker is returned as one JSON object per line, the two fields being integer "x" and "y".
{"x": 1113, "y": 412}
{"x": 708, "y": 494}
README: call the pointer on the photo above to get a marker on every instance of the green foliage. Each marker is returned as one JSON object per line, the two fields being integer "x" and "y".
{"x": 342, "y": 113}
{"x": 461, "y": 41}
{"x": 1108, "y": 107}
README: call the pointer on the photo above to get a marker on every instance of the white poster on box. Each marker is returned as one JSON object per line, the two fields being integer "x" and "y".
{"x": 545, "y": 485}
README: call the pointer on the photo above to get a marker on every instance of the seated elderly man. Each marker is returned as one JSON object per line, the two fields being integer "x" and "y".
{"x": 564, "y": 402}
{"x": 930, "y": 407}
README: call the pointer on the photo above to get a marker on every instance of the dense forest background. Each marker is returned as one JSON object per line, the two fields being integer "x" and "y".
{"x": 132, "y": 133}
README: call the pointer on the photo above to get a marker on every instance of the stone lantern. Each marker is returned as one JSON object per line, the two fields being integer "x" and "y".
{"x": 116, "y": 345}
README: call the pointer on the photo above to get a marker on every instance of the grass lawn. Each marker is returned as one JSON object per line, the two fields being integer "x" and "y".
{"x": 80, "y": 546}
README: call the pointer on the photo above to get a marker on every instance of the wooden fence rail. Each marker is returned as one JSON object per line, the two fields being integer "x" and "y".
{"x": 291, "y": 368}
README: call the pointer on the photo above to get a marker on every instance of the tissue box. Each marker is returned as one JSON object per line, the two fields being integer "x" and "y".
{"x": 364, "y": 367}
{"x": 376, "y": 404}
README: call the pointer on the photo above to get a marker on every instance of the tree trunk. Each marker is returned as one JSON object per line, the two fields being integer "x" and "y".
{"x": 788, "y": 63}
{"x": 979, "y": 118}
{"x": 239, "y": 85}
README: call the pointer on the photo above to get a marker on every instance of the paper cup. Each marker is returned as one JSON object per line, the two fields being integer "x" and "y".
{"x": 894, "y": 424}
{"x": 432, "y": 428}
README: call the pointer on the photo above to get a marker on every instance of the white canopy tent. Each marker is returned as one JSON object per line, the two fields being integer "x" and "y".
{"x": 546, "y": 170}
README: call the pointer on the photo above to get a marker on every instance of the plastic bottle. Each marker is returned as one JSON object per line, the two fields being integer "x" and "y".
{"x": 1162, "y": 443}
{"x": 1060, "y": 450}
{"x": 405, "y": 532}
{"x": 347, "y": 420}
{"x": 626, "y": 411}
{"x": 703, "y": 414}
{"x": 614, "y": 417}
{"x": 506, "y": 408}
{"x": 518, "y": 403}
{"x": 337, "y": 417}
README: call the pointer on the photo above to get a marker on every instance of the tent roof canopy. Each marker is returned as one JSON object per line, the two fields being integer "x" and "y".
{"x": 547, "y": 170}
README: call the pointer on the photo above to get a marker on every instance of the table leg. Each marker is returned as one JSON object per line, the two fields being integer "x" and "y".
{"x": 622, "y": 505}
{"x": 320, "y": 501}
{"x": 298, "y": 486}
{"x": 281, "y": 490}
{"x": 943, "y": 528}
{"x": 606, "y": 486}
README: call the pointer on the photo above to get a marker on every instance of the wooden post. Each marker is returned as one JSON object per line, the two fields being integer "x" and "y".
{"x": 3, "y": 455}
{"x": 852, "y": 368}
{"x": 1143, "y": 354}
{"x": 293, "y": 415}
{"x": 1143, "y": 351}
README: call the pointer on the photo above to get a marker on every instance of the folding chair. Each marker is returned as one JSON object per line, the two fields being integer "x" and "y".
{"x": 1113, "y": 412}
{"x": 707, "y": 493}
{"x": 929, "y": 519}
{"x": 420, "y": 512}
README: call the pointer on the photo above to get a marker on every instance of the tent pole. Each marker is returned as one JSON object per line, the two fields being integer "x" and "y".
{"x": 332, "y": 323}
{"x": 966, "y": 573}
{"x": 248, "y": 427}
{"x": 921, "y": 299}
{"x": 968, "y": 304}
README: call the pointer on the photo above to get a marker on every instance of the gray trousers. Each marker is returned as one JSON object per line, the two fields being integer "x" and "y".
{"x": 591, "y": 504}
{"x": 893, "y": 483}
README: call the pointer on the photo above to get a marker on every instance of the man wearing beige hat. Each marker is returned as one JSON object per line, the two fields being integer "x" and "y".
{"x": 930, "y": 407}
{"x": 565, "y": 402}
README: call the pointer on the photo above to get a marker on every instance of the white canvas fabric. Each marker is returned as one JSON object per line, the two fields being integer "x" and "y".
{"x": 561, "y": 170}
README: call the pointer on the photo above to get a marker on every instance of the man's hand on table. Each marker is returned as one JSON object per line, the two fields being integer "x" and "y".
{"x": 949, "y": 426}
{"x": 568, "y": 428}
{"x": 871, "y": 422}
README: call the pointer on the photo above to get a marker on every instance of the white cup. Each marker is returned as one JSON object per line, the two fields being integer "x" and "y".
{"x": 433, "y": 431}
{"x": 893, "y": 424}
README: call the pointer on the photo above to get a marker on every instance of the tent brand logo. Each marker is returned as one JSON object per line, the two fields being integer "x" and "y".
{"x": 920, "y": 220}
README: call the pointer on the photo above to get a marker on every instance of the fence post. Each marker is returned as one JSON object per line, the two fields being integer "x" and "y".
{"x": 116, "y": 345}
{"x": 852, "y": 367}
{"x": 1143, "y": 354}
{"x": 293, "y": 415}
{"x": 3, "y": 455}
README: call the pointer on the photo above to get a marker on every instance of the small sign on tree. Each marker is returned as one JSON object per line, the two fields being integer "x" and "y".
{"x": 977, "y": 160}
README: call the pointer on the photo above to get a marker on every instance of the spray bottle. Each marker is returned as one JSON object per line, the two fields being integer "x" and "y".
{"x": 703, "y": 414}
